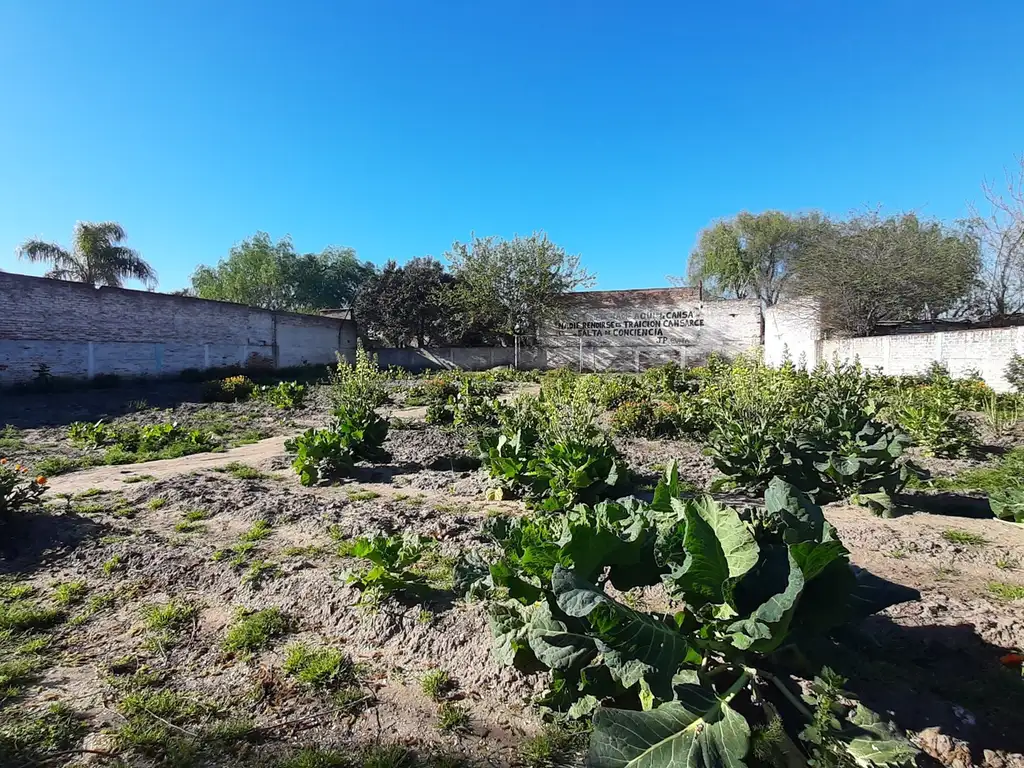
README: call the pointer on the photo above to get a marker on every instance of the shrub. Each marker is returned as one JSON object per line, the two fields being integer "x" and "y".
{"x": 646, "y": 418}
{"x": 361, "y": 383}
{"x": 701, "y": 679}
{"x": 284, "y": 395}
{"x": 230, "y": 390}
{"x": 930, "y": 415}
{"x": 433, "y": 391}
{"x": 355, "y": 434}
{"x": 471, "y": 407}
{"x": 17, "y": 488}
{"x": 1015, "y": 373}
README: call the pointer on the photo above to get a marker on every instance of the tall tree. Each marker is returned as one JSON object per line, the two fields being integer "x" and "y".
{"x": 410, "y": 304}
{"x": 750, "y": 255}
{"x": 513, "y": 287}
{"x": 263, "y": 273}
{"x": 871, "y": 268}
{"x": 999, "y": 228}
{"x": 96, "y": 257}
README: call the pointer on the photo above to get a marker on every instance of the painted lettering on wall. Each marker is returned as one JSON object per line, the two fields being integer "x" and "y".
{"x": 640, "y": 324}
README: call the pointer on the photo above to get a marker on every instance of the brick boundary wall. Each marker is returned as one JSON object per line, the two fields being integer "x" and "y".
{"x": 80, "y": 331}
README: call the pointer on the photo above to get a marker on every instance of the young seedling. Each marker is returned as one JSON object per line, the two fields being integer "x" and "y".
{"x": 157, "y": 503}
{"x": 113, "y": 565}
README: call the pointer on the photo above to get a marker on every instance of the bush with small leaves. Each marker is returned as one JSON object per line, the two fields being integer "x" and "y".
{"x": 230, "y": 390}
{"x": 17, "y": 488}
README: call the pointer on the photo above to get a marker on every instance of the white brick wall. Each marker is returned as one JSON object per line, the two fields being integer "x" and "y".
{"x": 795, "y": 326}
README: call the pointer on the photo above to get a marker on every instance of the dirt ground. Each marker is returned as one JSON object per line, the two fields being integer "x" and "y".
{"x": 933, "y": 665}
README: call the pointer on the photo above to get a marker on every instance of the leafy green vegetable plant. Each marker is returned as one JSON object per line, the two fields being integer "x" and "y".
{"x": 392, "y": 566}
{"x": 552, "y": 454}
{"x": 356, "y": 433}
{"x": 752, "y": 585}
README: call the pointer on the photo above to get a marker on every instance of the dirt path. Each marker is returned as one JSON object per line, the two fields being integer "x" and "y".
{"x": 109, "y": 478}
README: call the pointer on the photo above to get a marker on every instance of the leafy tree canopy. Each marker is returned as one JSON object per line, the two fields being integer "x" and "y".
{"x": 401, "y": 305}
{"x": 871, "y": 268}
{"x": 96, "y": 257}
{"x": 513, "y": 286}
{"x": 750, "y": 255}
{"x": 263, "y": 273}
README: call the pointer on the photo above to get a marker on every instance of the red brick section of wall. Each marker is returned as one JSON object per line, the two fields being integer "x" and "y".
{"x": 630, "y": 298}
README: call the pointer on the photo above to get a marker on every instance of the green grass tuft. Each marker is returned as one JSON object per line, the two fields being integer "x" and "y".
{"x": 258, "y": 531}
{"x": 138, "y": 479}
{"x": 555, "y": 744}
{"x": 157, "y": 503}
{"x": 24, "y": 615}
{"x": 323, "y": 669}
{"x": 29, "y": 739}
{"x": 356, "y": 495}
{"x": 259, "y": 572}
{"x": 255, "y": 630}
{"x": 1005, "y": 591}
{"x": 112, "y": 565}
{"x": 453, "y": 718}
{"x": 70, "y": 592}
{"x": 173, "y": 616}
{"x": 436, "y": 684}
{"x": 242, "y": 471}
{"x": 956, "y": 536}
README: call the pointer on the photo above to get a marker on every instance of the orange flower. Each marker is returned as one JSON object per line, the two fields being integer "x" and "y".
{"x": 41, "y": 480}
{"x": 3, "y": 461}
{"x": 1012, "y": 659}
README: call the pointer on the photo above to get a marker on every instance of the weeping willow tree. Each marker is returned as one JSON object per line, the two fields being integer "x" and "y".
{"x": 96, "y": 257}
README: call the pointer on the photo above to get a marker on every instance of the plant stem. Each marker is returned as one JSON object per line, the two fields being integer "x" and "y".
{"x": 803, "y": 710}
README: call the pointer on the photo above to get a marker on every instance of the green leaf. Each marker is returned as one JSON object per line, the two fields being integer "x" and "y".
{"x": 803, "y": 518}
{"x": 718, "y": 545}
{"x": 1008, "y": 504}
{"x": 878, "y": 743}
{"x": 552, "y": 643}
{"x": 767, "y": 627}
{"x": 700, "y": 730}
{"x": 667, "y": 488}
{"x": 508, "y": 620}
{"x": 633, "y": 636}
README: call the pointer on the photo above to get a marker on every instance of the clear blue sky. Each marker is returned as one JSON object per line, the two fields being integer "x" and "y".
{"x": 395, "y": 127}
